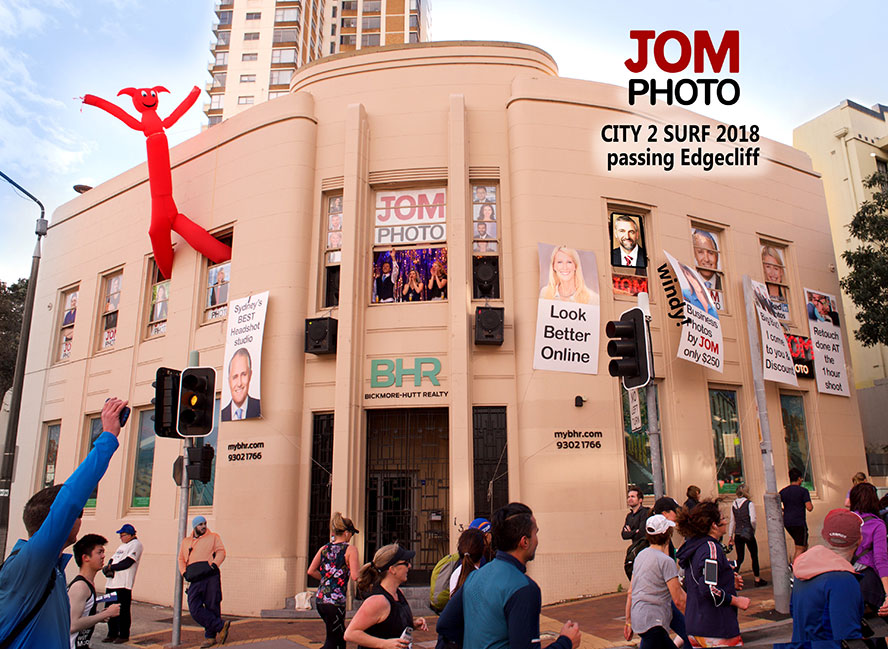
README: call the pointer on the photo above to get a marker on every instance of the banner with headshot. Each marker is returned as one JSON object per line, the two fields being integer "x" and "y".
{"x": 777, "y": 361}
{"x": 569, "y": 311}
{"x": 826, "y": 336}
{"x": 707, "y": 257}
{"x": 241, "y": 371}
{"x": 701, "y": 334}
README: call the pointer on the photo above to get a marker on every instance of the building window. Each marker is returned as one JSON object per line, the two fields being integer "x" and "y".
{"x": 332, "y": 249}
{"x": 248, "y": 78}
{"x": 274, "y": 94}
{"x": 249, "y": 56}
{"x": 223, "y": 38}
{"x": 485, "y": 242}
{"x": 254, "y": 15}
{"x": 202, "y": 494}
{"x": 218, "y": 277}
{"x": 158, "y": 299}
{"x": 333, "y": 29}
{"x": 110, "y": 310}
{"x": 490, "y": 459}
{"x": 251, "y": 36}
{"x": 50, "y": 455}
{"x": 144, "y": 460}
{"x": 95, "y": 429}
{"x": 414, "y": 37}
{"x": 284, "y": 56}
{"x": 348, "y": 39}
{"x": 414, "y": 21}
{"x": 349, "y": 23}
{"x": 774, "y": 270}
{"x": 334, "y": 11}
{"x": 707, "y": 243}
{"x": 414, "y": 5}
{"x": 628, "y": 253}
{"x": 287, "y": 15}
{"x": 245, "y": 100}
{"x": 369, "y": 40}
{"x": 219, "y": 79}
{"x": 372, "y": 6}
{"x": 280, "y": 77}
{"x": 66, "y": 331}
{"x": 224, "y": 17}
{"x": 371, "y": 23}
{"x": 405, "y": 270}
{"x": 285, "y": 36}
{"x": 333, "y": 48}
{"x": 639, "y": 470}
{"x": 221, "y": 58}
{"x": 320, "y": 500}
{"x": 214, "y": 119}
{"x": 795, "y": 429}
{"x": 349, "y": 5}
{"x": 216, "y": 102}
{"x": 726, "y": 431}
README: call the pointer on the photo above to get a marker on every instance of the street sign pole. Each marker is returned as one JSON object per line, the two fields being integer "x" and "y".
{"x": 776, "y": 537}
{"x": 184, "y": 496}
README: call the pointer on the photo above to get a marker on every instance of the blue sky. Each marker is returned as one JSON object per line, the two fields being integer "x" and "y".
{"x": 797, "y": 61}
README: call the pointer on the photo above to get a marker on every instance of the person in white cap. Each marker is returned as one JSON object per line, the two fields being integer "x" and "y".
{"x": 199, "y": 559}
{"x": 121, "y": 574}
{"x": 654, "y": 588}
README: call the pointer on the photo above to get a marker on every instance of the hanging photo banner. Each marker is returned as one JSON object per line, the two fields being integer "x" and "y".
{"x": 777, "y": 360}
{"x": 701, "y": 335}
{"x": 826, "y": 336}
{"x": 569, "y": 312}
{"x": 241, "y": 383}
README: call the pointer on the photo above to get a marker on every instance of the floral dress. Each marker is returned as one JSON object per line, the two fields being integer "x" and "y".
{"x": 334, "y": 574}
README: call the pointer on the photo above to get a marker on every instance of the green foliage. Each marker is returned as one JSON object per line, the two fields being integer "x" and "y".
{"x": 12, "y": 303}
{"x": 867, "y": 280}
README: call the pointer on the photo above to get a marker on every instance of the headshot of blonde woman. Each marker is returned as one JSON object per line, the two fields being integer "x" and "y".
{"x": 566, "y": 281}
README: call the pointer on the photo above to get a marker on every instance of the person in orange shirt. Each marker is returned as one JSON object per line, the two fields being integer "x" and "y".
{"x": 199, "y": 559}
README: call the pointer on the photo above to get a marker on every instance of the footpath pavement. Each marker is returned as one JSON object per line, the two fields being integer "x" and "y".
{"x": 600, "y": 618}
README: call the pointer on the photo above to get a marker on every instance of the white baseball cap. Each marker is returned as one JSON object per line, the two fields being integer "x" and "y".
{"x": 658, "y": 524}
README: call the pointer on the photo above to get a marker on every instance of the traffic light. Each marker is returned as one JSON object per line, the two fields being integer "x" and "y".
{"x": 631, "y": 349}
{"x": 166, "y": 400}
{"x": 196, "y": 401}
{"x": 200, "y": 463}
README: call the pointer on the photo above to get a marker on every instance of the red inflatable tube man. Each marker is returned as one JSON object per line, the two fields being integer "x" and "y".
{"x": 164, "y": 214}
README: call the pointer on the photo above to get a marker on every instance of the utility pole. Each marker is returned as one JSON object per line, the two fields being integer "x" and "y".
{"x": 184, "y": 496}
{"x": 776, "y": 538}
{"x": 15, "y": 406}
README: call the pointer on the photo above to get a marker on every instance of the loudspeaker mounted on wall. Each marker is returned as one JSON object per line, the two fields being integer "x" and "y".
{"x": 489, "y": 325}
{"x": 320, "y": 335}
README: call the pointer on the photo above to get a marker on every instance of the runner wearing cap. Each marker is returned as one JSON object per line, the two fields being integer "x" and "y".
{"x": 121, "y": 574}
{"x": 484, "y": 525}
{"x": 654, "y": 588}
{"x": 385, "y": 613}
{"x": 826, "y": 600}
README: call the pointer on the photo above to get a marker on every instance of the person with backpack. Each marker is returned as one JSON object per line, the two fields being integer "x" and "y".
{"x": 334, "y": 564}
{"x": 447, "y": 571}
{"x": 741, "y": 532}
{"x": 871, "y": 558}
{"x": 633, "y": 528}
{"x": 89, "y": 555}
{"x": 34, "y": 606}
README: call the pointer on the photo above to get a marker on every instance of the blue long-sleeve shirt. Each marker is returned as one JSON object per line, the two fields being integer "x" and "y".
{"x": 24, "y": 575}
{"x": 497, "y": 608}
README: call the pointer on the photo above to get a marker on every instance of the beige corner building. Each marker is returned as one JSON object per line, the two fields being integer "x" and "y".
{"x": 430, "y": 412}
{"x": 847, "y": 144}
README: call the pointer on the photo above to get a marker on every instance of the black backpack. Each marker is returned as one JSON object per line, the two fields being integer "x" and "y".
{"x": 632, "y": 552}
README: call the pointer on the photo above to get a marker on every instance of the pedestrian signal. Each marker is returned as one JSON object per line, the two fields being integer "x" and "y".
{"x": 200, "y": 463}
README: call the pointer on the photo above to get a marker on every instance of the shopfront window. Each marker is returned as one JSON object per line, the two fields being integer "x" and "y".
{"x": 628, "y": 251}
{"x": 110, "y": 309}
{"x": 708, "y": 252}
{"x": 490, "y": 459}
{"x": 639, "y": 470}
{"x": 332, "y": 248}
{"x": 158, "y": 302}
{"x": 50, "y": 455}
{"x": 144, "y": 460}
{"x": 795, "y": 432}
{"x": 485, "y": 242}
{"x": 774, "y": 271}
{"x": 217, "y": 280}
{"x": 726, "y": 438}
{"x": 66, "y": 331}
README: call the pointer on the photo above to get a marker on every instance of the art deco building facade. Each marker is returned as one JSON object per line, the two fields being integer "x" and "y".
{"x": 464, "y": 165}
{"x": 847, "y": 144}
{"x": 260, "y": 43}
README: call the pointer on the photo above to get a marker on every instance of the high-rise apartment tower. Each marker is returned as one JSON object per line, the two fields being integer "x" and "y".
{"x": 260, "y": 43}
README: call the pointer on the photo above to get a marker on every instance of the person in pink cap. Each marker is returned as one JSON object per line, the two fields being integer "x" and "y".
{"x": 826, "y": 600}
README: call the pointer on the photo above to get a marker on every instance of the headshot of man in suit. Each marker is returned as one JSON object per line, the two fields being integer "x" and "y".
{"x": 627, "y": 250}
{"x": 242, "y": 405}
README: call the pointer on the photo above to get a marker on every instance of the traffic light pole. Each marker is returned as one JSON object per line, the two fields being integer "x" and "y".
{"x": 184, "y": 498}
{"x": 776, "y": 537}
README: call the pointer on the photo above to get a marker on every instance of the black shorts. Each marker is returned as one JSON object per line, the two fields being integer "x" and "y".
{"x": 799, "y": 534}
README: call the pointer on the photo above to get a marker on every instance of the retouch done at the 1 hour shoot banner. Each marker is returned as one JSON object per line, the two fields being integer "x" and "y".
{"x": 826, "y": 339}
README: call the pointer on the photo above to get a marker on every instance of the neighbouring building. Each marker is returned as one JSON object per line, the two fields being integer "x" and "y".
{"x": 261, "y": 43}
{"x": 419, "y": 195}
{"x": 847, "y": 144}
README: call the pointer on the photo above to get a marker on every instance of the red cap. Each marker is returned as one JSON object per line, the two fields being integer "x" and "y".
{"x": 841, "y": 528}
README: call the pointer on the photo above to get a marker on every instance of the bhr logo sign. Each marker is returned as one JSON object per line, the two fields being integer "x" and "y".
{"x": 385, "y": 372}
{"x": 685, "y": 91}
